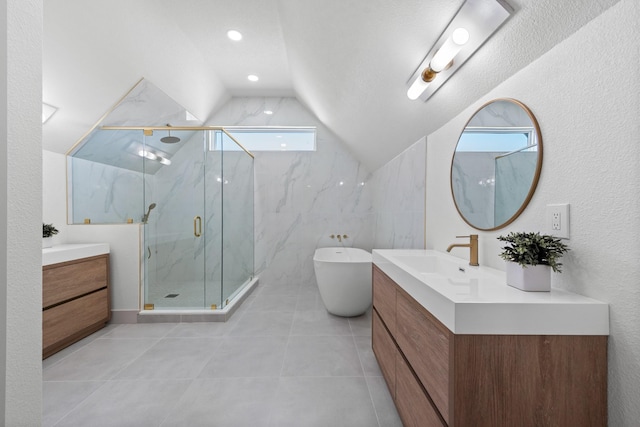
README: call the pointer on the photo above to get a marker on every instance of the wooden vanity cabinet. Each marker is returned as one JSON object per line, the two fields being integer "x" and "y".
{"x": 444, "y": 379}
{"x": 75, "y": 301}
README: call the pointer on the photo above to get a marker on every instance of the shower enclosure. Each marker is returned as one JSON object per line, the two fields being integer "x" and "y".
{"x": 198, "y": 233}
{"x": 191, "y": 191}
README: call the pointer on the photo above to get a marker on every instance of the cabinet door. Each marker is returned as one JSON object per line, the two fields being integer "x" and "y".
{"x": 425, "y": 343}
{"x": 414, "y": 407}
{"x": 384, "y": 298}
{"x": 61, "y": 324}
{"x": 385, "y": 351}
{"x": 64, "y": 281}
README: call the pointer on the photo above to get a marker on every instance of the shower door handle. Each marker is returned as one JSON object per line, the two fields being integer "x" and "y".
{"x": 197, "y": 226}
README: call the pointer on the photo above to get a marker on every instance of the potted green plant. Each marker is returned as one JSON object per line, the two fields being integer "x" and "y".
{"x": 530, "y": 258}
{"x": 48, "y": 231}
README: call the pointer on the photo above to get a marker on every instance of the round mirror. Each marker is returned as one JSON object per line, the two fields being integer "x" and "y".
{"x": 496, "y": 165}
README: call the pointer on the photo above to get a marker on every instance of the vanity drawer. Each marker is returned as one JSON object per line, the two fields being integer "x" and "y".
{"x": 384, "y": 298}
{"x": 385, "y": 351}
{"x": 425, "y": 343}
{"x": 64, "y": 281}
{"x": 414, "y": 407}
{"x": 62, "y": 324}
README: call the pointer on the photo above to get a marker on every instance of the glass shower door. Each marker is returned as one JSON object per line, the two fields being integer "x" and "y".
{"x": 175, "y": 232}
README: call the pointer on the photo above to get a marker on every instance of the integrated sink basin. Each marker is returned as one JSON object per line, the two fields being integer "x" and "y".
{"x": 477, "y": 300}
{"x": 71, "y": 251}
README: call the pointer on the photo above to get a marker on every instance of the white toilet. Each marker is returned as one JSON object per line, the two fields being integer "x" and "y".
{"x": 344, "y": 280}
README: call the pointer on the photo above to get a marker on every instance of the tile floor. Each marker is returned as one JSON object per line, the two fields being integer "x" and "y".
{"x": 281, "y": 360}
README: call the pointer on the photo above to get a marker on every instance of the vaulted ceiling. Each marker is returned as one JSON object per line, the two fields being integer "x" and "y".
{"x": 348, "y": 61}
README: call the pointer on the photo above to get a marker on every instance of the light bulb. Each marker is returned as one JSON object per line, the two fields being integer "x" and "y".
{"x": 417, "y": 88}
{"x": 449, "y": 49}
{"x": 253, "y": 78}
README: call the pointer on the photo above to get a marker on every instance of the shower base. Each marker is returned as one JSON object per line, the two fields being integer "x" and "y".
{"x": 177, "y": 309}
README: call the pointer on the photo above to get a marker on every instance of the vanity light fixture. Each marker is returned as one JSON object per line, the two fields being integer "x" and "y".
{"x": 473, "y": 24}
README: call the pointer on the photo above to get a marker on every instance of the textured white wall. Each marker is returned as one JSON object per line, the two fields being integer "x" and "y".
{"x": 21, "y": 206}
{"x": 584, "y": 93}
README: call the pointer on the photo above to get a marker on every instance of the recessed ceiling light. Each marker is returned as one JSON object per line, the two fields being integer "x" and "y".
{"x": 268, "y": 112}
{"x": 253, "y": 78}
{"x": 234, "y": 35}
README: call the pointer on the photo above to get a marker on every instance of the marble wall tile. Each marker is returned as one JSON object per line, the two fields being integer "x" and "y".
{"x": 301, "y": 197}
{"x": 399, "y": 200}
{"x": 105, "y": 194}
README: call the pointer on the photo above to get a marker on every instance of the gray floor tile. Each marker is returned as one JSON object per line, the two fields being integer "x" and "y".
{"x": 361, "y": 325}
{"x": 319, "y": 322}
{"x": 127, "y": 404}
{"x": 141, "y": 330}
{"x": 278, "y": 289}
{"x": 309, "y": 302}
{"x": 232, "y": 402}
{"x": 367, "y": 358}
{"x": 60, "y": 397}
{"x": 263, "y": 323}
{"x": 322, "y": 402}
{"x": 175, "y": 358}
{"x": 55, "y": 358}
{"x": 268, "y": 302}
{"x": 282, "y": 360}
{"x": 321, "y": 356}
{"x": 247, "y": 357}
{"x": 99, "y": 360}
{"x": 383, "y": 403}
{"x": 200, "y": 330}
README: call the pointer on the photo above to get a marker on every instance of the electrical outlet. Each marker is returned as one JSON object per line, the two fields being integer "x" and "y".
{"x": 558, "y": 220}
{"x": 555, "y": 221}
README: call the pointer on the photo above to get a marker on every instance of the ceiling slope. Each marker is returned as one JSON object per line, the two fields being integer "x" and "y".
{"x": 347, "y": 60}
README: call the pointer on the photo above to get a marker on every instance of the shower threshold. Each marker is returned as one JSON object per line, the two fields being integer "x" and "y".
{"x": 177, "y": 315}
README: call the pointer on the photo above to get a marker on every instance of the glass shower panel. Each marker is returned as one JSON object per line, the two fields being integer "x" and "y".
{"x": 175, "y": 236}
{"x": 105, "y": 179}
{"x": 514, "y": 174}
{"x": 213, "y": 224}
{"x": 237, "y": 217}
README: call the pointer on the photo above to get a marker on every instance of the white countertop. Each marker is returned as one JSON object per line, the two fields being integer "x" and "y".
{"x": 69, "y": 252}
{"x": 479, "y": 301}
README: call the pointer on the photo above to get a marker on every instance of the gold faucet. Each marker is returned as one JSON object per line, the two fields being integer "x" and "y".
{"x": 472, "y": 245}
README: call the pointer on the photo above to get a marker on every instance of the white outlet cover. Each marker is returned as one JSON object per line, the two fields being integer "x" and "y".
{"x": 554, "y": 212}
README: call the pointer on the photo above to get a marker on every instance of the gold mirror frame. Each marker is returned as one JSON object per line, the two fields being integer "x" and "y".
{"x": 536, "y": 176}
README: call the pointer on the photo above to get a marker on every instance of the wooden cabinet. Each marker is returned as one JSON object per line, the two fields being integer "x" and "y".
{"x": 444, "y": 379}
{"x": 75, "y": 301}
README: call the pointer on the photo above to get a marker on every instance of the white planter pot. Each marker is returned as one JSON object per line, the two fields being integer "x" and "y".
{"x": 532, "y": 278}
{"x": 47, "y": 242}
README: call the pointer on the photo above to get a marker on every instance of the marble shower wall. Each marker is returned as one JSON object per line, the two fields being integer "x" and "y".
{"x": 399, "y": 200}
{"x": 217, "y": 187}
{"x": 301, "y": 198}
{"x": 103, "y": 193}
